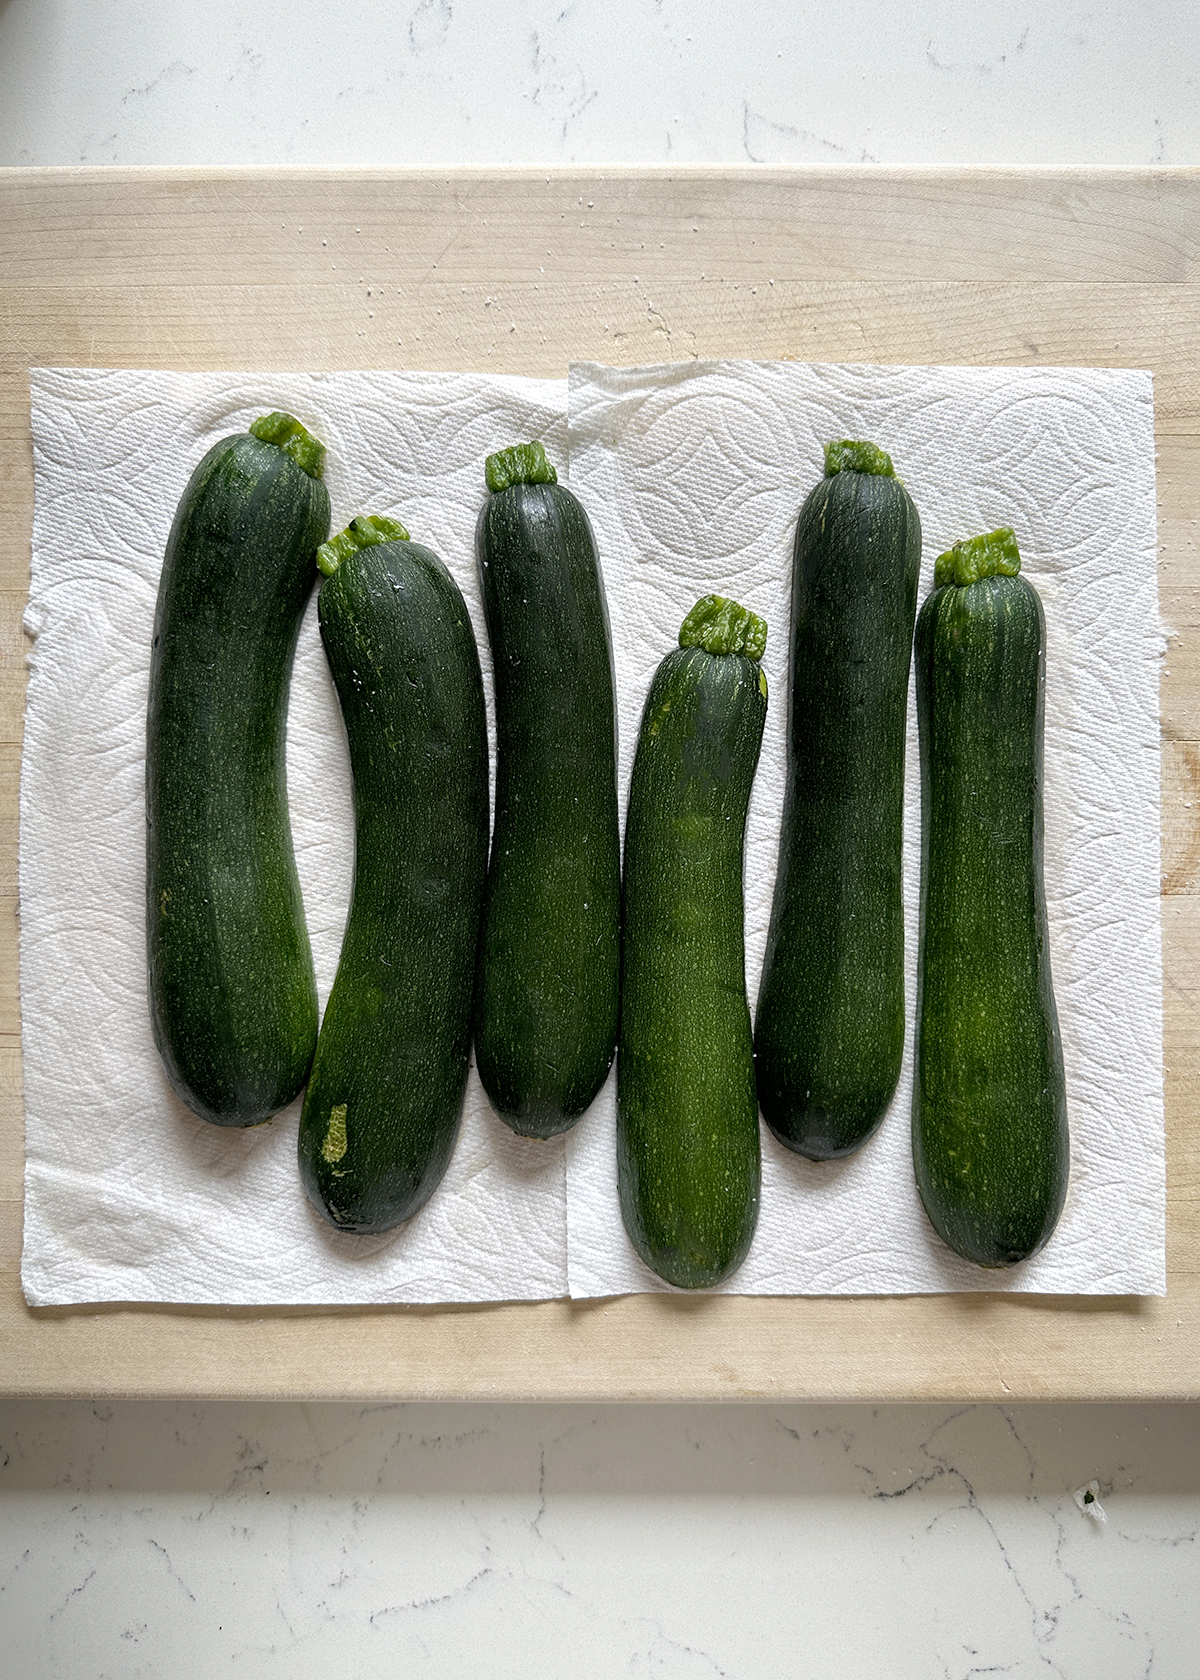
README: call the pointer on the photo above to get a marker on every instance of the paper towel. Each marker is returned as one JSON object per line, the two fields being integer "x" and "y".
{"x": 693, "y": 475}
{"x": 130, "y": 1197}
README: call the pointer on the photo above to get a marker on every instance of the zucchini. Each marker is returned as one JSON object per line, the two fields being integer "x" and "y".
{"x": 829, "y": 1029}
{"x": 688, "y": 1164}
{"x": 381, "y": 1112}
{"x": 546, "y": 1001}
{"x": 233, "y": 1002}
{"x": 990, "y": 1141}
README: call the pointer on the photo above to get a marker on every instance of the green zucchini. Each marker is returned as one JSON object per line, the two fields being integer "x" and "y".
{"x": 990, "y": 1141}
{"x": 233, "y": 1002}
{"x": 384, "y": 1098}
{"x": 546, "y": 1000}
{"x": 829, "y": 1029}
{"x": 688, "y": 1164}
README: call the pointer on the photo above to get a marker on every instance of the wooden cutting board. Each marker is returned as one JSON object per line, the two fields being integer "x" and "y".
{"x": 522, "y": 271}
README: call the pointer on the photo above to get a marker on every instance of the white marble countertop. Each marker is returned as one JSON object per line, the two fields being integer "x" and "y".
{"x": 931, "y": 1542}
{"x": 183, "y": 1540}
{"x": 432, "y": 82}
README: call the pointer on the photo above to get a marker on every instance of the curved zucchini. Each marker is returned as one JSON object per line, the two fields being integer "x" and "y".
{"x": 688, "y": 1165}
{"x": 382, "y": 1108}
{"x": 546, "y": 1000}
{"x": 829, "y": 1030}
{"x": 233, "y": 1001}
{"x": 990, "y": 1143}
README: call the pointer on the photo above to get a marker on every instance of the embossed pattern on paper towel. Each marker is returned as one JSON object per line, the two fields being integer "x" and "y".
{"x": 1067, "y": 457}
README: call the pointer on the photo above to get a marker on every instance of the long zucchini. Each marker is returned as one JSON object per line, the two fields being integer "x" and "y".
{"x": 990, "y": 1140}
{"x": 382, "y": 1108}
{"x": 233, "y": 1000}
{"x": 688, "y": 1163}
{"x": 546, "y": 1005}
{"x": 829, "y": 1030}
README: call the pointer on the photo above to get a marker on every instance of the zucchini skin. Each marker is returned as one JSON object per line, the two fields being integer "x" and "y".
{"x": 233, "y": 1000}
{"x": 382, "y": 1108}
{"x": 688, "y": 1152}
{"x": 829, "y": 1028}
{"x": 990, "y": 1139}
{"x": 549, "y": 959}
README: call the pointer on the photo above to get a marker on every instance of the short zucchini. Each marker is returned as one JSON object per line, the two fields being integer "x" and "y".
{"x": 688, "y": 1163}
{"x": 546, "y": 1004}
{"x": 990, "y": 1142}
{"x": 385, "y": 1095}
{"x": 233, "y": 1001}
{"x": 829, "y": 1030}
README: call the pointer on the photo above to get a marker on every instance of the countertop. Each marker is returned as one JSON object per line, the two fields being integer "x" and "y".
{"x": 181, "y": 1539}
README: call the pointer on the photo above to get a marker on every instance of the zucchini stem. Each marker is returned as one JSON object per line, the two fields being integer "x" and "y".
{"x": 848, "y": 454}
{"x": 993, "y": 554}
{"x": 286, "y": 432}
{"x": 524, "y": 463}
{"x": 363, "y": 532}
{"x": 720, "y": 626}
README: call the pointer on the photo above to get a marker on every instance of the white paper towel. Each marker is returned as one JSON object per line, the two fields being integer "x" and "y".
{"x": 128, "y": 1196}
{"x": 693, "y": 475}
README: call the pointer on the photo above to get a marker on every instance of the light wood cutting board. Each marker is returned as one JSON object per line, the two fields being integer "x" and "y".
{"x": 522, "y": 271}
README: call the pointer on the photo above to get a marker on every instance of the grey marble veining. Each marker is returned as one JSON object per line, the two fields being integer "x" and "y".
{"x": 437, "y": 82}
{"x": 203, "y": 1540}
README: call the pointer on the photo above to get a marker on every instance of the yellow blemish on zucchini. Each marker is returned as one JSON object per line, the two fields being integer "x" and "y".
{"x": 762, "y": 682}
{"x": 334, "y": 1146}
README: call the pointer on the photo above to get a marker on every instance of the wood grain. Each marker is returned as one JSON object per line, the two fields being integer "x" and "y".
{"x": 521, "y": 272}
